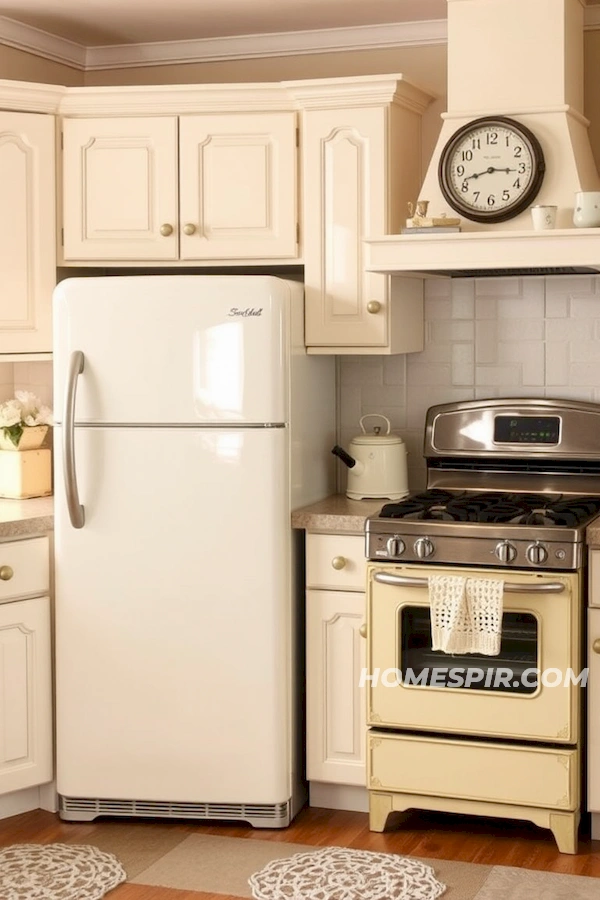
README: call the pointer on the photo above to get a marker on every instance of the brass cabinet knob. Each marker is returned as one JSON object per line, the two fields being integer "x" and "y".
{"x": 6, "y": 573}
{"x": 363, "y": 630}
{"x": 189, "y": 228}
{"x": 373, "y": 306}
{"x": 595, "y": 645}
{"x": 166, "y": 230}
{"x": 338, "y": 562}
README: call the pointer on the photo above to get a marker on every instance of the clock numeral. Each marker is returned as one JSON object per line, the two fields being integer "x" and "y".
{"x": 505, "y": 195}
{"x": 476, "y": 144}
{"x": 465, "y": 187}
{"x": 517, "y": 184}
{"x": 476, "y": 195}
{"x": 518, "y": 151}
{"x": 492, "y": 138}
{"x": 460, "y": 170}
{"x": 522, "y": 168}
{"x": 467, "y": 155}
{"x": 491, "y": 200}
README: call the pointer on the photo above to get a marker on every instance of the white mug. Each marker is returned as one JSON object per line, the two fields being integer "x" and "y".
{"x": 587, "y": 209}
{"x": 543, "y": 217}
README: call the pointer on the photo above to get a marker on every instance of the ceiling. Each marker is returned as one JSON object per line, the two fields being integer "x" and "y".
{"x": 94, "y": 23}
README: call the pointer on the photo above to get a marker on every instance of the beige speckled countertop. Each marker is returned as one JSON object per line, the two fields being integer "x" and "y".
{"x": 336, "y": 515}
{"x": 592, "y": 534}
{"x": 21, "y": 517}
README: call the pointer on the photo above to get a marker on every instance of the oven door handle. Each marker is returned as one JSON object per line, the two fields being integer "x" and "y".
{"x": 552, "y": 587}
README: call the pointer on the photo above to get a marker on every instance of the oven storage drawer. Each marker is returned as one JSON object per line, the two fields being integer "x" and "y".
{"x": 494, "y": 773}
{"x": 335, "y": 561}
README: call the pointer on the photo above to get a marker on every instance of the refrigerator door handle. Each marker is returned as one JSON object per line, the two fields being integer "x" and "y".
{"x": 76, "y": 513}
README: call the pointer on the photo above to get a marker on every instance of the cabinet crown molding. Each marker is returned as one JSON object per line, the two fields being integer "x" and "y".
{"x": 182, "y": 99}
{"x": 366, "y": 90}
{"x": 27, "y": 96}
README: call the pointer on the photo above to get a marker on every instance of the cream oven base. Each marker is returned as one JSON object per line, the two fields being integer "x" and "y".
{"x": 537, "y": 784}
{"x": 563, "y": 825}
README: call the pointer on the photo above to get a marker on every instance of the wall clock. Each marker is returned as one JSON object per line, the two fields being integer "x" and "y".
{"x": 491, "y": 169}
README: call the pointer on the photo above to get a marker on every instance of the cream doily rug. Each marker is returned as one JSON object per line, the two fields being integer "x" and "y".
{"x": 57, "y": 872}
{"x": 339, "y": 874}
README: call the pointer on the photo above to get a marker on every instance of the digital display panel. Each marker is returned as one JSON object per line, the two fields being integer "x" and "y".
{"x": 526, "y": 429}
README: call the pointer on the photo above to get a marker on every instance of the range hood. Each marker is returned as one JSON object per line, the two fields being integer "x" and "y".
{"x": 522, "y": 59}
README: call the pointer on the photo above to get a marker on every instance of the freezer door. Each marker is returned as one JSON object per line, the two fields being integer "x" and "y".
{"x": 174, "y": 349}
{"x": 173, "y": 617}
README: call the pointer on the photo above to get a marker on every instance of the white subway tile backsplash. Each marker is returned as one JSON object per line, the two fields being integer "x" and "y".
{"x": 585, "y": 306}
{"x": 498, "y": 287}
{"x": 428, "y": 373}
{"x": 394, "y": 369}
{"x": 489, "y": 337}
{"x": 557, "y": 363}
{"x": 569, "y": 329}
{"x": 461, "y": 330}
{"x": 520, "y": 329}
{"x": 486, "y": 341}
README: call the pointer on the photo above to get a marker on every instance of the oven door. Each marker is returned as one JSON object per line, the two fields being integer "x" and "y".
{"x": 525, "y": 692}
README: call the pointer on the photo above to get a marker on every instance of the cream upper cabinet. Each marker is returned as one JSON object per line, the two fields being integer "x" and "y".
{"x": 238, "y": 186}
{"x": 361, "y": 152}
{"x": 168, "y": 188}
{"x": 120, "y": 188}
{"x": 27, "y": 231}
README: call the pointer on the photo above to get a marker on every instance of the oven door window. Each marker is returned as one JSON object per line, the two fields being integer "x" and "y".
{"x": 514, "y": 670}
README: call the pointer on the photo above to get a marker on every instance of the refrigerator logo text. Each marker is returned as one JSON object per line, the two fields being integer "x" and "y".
{"x": 249, "y": 311}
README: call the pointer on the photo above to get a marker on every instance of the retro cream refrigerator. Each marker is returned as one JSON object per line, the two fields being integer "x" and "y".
{"x": 190, "y": 422}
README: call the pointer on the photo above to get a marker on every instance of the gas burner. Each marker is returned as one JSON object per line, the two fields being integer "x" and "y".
{"x": 494, "y": 507}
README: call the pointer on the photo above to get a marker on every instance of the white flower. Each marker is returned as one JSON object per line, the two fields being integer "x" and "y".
{"x": 10, "y": 413}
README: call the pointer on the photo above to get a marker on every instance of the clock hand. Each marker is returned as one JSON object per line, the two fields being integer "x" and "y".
{"x": 489, "y": 171}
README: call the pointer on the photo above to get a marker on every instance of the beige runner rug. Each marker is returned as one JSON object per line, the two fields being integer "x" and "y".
{"x": 169, "y": 856}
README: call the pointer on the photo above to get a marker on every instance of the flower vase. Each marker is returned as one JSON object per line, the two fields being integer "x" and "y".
{"x": 32, "y": 438}
{"x": 28, "y": 472}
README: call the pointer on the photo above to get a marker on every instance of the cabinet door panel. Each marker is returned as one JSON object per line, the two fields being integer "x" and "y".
{"x": 27, "y": 232}
{"x": 336, "y": 718}
{"x": 25, "y": 694}
{"x": 344, "y": 202}
{"x": 120, "y": 188}
{"x": 593, "y": 701}
{"x": 238, "y": 185}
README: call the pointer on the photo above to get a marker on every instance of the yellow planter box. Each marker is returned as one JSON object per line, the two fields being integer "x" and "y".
{"x": 25, "y": 473}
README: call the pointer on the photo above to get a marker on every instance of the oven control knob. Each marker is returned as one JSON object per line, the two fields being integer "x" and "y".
{"x": 395, "y": 547}
{"x": 424, "y": 548}
{"x": 537, "y": 554}
{"x": 505, "y": 551}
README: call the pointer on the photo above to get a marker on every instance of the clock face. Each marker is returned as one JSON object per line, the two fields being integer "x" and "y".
{"x": 491, "y": 169}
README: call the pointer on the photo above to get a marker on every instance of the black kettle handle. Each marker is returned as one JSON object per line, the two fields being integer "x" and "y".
{"x": 345, "y": 457}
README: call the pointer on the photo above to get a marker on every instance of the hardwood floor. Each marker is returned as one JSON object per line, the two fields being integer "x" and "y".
{"x": 435, "y": 836}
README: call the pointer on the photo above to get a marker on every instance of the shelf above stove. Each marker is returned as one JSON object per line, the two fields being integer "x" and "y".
{"x": 567, "y": 251}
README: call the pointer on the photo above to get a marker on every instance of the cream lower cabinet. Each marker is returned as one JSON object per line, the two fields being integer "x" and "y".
{"x": 593, "y": 692}
{"x": 361, "y": 152}
{"x": 25, "y": 670}
{"x": 175, "y": 188}
{"x": 335, "y": 656}
{"x": 27, "y": 231}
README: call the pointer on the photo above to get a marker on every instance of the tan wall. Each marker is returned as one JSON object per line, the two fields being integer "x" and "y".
{"x": 21, "y": 66}
{"x": 425, "y": 65}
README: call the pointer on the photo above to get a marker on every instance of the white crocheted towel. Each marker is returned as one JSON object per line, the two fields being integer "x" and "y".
{"x": 466, "y": 614}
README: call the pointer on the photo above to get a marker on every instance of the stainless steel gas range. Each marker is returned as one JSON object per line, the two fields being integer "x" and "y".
{"x": 511, "y": 487}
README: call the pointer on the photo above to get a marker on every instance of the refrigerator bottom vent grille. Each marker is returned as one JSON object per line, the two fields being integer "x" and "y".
{"x": 79, "y": 809}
